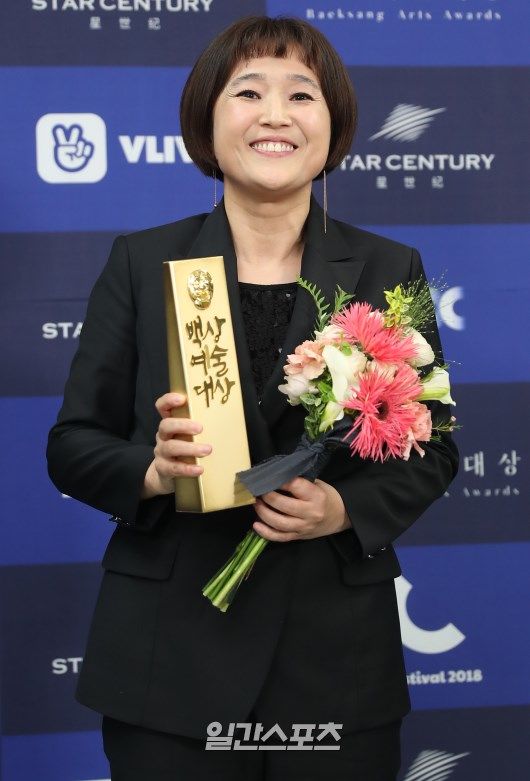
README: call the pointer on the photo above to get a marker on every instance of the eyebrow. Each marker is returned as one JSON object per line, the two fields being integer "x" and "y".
{"x": 262, "y": 77}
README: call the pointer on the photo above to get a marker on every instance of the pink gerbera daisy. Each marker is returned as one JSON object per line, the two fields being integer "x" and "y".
{"x": 365, "y": 327}
{"x": 385, "y": 414}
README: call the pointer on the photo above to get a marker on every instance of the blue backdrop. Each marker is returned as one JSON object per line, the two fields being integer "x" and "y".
{"x": 438, "y": 163}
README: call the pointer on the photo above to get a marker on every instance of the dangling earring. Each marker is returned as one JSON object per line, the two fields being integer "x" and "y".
{"x": 325, "y": 202}
{"x": 214, "y": 189}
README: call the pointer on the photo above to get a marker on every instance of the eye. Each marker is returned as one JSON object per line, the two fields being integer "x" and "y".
{"x": 301, "y": 96}
{"x": 248, "y": 93}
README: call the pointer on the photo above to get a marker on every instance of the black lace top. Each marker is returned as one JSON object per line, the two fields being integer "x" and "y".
{"x": 267, "y": 310}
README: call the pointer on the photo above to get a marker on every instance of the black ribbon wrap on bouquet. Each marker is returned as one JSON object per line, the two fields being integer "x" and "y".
{"x": 307, "y": 460}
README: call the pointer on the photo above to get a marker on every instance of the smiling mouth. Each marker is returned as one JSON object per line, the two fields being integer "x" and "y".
{"x": 273, "y": 147}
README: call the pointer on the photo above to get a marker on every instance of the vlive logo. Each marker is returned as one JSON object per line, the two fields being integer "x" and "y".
{"x": 423, "y": 641}
{"x": 71, "y": 148}
{"x": 407, "y": 122}
{"x": 431, "y": 765}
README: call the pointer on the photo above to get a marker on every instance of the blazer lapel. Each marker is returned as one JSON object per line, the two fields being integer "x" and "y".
{"x": 327, "y": 262}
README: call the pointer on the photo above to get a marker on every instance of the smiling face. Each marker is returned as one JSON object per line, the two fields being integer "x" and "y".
{"x": 271, "y": 127}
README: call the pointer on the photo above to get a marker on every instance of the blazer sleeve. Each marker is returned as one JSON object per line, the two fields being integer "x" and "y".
{"x": 89, "y": 454}
{"x": 383, "y": 499}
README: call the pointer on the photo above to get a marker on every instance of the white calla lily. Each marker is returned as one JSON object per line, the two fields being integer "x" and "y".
{"x": 344, "y": 370}
{"x": 424, "y": 352}
{"x": 436, "y": 387}
{"x": 332, "y": 412}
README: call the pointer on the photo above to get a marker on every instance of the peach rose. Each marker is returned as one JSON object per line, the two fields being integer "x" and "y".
{"x": 307, "y": 360}
{"x": 420, "y": 431}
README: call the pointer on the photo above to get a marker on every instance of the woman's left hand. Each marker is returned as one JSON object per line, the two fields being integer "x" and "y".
{"x": 314, "y": 510}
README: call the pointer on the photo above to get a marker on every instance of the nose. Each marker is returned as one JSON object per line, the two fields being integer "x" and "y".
{"x": 275, "y": 111}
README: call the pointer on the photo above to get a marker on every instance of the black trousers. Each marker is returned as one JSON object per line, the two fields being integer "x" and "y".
{"x": 138, "y": 754}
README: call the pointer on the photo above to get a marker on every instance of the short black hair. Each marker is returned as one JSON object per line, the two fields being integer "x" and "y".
{"x": 263, "y": 36}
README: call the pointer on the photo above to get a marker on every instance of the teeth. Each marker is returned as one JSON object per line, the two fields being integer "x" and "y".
{"x": 272, "y": 146}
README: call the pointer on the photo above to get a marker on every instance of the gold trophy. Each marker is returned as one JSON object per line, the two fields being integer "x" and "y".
{"x": 203, "y": 364}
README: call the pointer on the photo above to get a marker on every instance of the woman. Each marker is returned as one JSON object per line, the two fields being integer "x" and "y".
{"x": 313, "y": 635}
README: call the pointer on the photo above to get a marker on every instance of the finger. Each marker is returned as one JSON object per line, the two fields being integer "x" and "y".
{"x": 288, "y": 505}
{"x": 278, "y": 521}
{"x": 179, "y": 469}
{"x": 79, "y": 148}
{"x": 89, "y": 148}
{"x": 300, "y": 488}
{"x": 165, "y": 403}
{"x": 59, "y": 134}
{"x": 74, "y": 134}
{"x": 178, "y": 427}
{"x": 271, "y": 534}
{"x": 178, "y": 448}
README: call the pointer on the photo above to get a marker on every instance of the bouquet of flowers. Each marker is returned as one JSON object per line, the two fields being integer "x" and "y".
{"x": 362, "y": 380}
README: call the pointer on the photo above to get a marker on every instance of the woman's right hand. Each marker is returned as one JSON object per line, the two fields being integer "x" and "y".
{"x": 173, "y": 448}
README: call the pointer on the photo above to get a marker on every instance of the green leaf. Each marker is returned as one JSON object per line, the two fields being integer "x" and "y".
{"x": 323, "y": 314}
{"x": 341, "y": 298}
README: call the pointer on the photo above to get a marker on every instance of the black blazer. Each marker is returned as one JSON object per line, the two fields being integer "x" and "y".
{"x": 102, "y": 444}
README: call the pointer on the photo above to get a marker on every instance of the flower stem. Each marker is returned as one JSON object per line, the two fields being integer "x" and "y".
{"x": 219, "y": 575}
{"x": 221, "y": 589}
